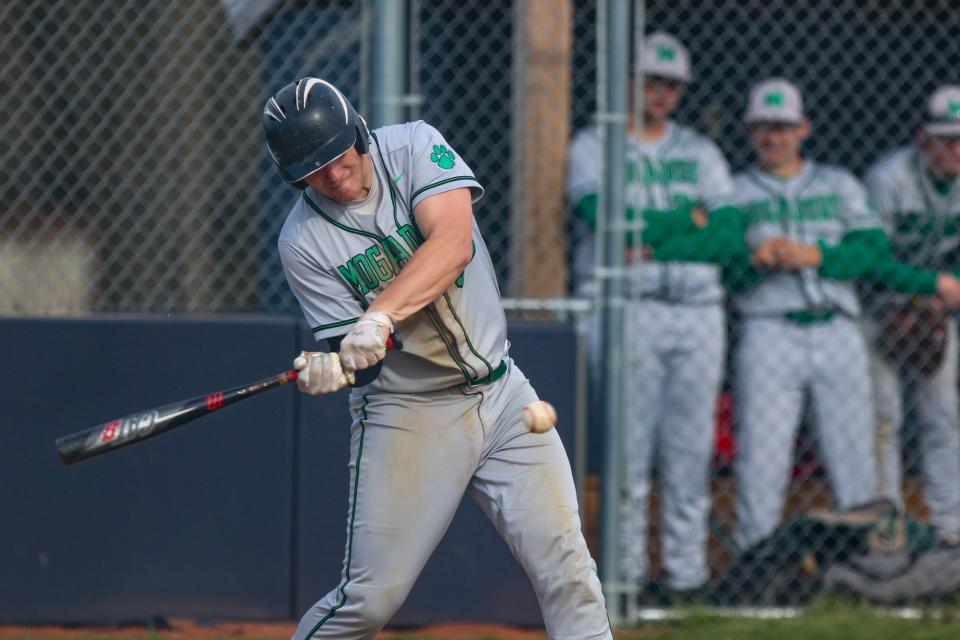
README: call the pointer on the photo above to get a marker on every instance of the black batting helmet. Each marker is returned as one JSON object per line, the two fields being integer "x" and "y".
{"x": 309, "y": 124}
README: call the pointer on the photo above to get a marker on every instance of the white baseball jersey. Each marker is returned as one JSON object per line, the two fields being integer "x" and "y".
{"x": 923, "y": 225}
{"x": 682, "y": 167}
{"x": 329, "y": 250}
{"x": 821, "y": 203}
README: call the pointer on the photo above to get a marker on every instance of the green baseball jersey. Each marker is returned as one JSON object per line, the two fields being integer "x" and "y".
{"x": 821, "y": 204}
{"x": 337, "y": 258}
{"x": 681, "y": 168}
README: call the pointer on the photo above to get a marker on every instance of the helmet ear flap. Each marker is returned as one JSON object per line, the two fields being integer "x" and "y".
{"x": 363, "y": 136}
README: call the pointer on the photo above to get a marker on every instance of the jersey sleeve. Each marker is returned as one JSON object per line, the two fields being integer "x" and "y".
{"x": 583, "y": 162}
{"x": 857, "y": 212}
{"x": 882, "y": 195}
{"x": 436, "y": 167}
{"x": 716, "y": 183}
{"x": 326, "y": 301}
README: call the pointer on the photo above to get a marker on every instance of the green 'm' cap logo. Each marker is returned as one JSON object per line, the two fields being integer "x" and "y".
{"x": 665, "y": 53}
{"x": 442, "y": 156}
{"x": 953, "y": 108}
{"x": 773, "y": 99}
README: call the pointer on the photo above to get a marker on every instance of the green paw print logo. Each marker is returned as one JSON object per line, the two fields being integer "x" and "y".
{"x": 443, "y": 157}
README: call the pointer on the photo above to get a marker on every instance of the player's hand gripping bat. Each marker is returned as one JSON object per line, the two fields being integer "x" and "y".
{"x": 152, "y": 422}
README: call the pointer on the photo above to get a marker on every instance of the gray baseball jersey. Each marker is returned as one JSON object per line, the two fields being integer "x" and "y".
{"x": 784, "y": 360}
{"x": 924, "y": 228}
{"x": 923, "y": 225}
{"x": 459, "y": 338}
{"x": 682, "y": 167}
{"x": 821, "y": 203}
{"x": 445, "y": 414}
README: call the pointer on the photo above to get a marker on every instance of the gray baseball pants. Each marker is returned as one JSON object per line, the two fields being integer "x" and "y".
{"x": 412, "y": 457}
{"x": 779, "y": 366}
{"x": 674, "y": 368}
{"x": 936, "y": 402}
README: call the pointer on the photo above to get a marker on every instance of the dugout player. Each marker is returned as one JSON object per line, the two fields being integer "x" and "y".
{"x": 916, "y": 191}
{"x": 382, "y": 240}
{"x": 807, "y": 225}
{"x": 678, "y": 192}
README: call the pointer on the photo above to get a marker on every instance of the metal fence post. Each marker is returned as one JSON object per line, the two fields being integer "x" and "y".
{"x": 612, "y": 71}
{"x": 388, "y": 62}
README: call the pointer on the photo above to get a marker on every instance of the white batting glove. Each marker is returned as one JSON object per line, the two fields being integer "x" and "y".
{"x": 366, "y": 344}
{"x": 320, "y": 372}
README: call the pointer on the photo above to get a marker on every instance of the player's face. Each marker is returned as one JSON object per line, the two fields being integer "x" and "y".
{"x": 661, "y": 96}
{"x": 778, "y": 143}
{"x": 346, "y": 179}
{"x": 943, "y": 154}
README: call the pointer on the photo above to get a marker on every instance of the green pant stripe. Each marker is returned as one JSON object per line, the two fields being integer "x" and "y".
{"x": 353, "y": 515}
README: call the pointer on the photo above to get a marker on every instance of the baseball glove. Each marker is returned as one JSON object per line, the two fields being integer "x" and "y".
{"x": 915, "y": 335}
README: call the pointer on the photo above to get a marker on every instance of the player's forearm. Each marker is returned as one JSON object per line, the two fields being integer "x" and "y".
{"x": 858, "y": 254}
{"x": 720, "y": 241}
{"x": 658, "y": 224}
{"x": 893, "y": 275}
{"x": 739, "y": 275}
{"x": 872, "y": 259}
{"x": 662, "y": 224}
{"x": 433, "y": 269}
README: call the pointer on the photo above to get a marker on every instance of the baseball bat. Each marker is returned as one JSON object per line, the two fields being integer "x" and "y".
{"x": 139, "y": 426}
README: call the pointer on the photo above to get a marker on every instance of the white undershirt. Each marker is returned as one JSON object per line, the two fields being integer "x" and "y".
{"x": 368, "y": 205}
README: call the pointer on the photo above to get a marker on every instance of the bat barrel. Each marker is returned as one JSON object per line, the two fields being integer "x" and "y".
{"x": 140, "y": 426}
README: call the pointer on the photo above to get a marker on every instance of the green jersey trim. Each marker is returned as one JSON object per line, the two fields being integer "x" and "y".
{"x": 443, "y": 332}
{"x": 466, "y": 337}
{"x": 333, "y": 325}
{"x": 390, "y": 184}
{"x": 437, "y": 184}
{"x": 339, "y": 225}
{"x": 353, "y": 515}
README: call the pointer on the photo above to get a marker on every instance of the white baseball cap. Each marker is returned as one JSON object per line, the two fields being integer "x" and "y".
{"x": 664, "y": 56}
{"x": 943, "y": 112}
{"x": 775, "y": 100}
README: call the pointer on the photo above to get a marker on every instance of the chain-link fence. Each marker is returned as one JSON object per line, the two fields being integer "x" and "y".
{"x": 135, "y": 180}
{"x": 134, "y": 176}
{"x": 791, "y": 411}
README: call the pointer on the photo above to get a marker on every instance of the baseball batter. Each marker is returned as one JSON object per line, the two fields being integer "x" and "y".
{"x": 382, "y": 241}
{"x": 810, "y": 231}
{"x": 915, "y": 190}
{"x": 678, "y": 191}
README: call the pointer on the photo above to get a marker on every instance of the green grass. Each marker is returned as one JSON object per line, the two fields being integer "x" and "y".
{"x": 823, "y": 621}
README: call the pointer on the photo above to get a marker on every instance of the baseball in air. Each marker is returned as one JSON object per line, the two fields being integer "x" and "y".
{"x": 539, "y": 416}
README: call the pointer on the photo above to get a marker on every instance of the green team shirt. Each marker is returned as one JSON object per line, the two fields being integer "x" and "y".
{"x": 664, "y": 179}
{"x": 337, "y": 258}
